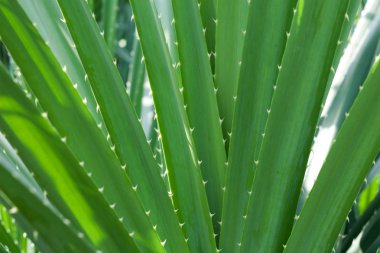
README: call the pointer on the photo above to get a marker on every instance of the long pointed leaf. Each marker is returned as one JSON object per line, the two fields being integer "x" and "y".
{"x": 57, "y": 171}
{"x": 65, "y": 109}
{"x": 184, "y": 172}
{"x": 230, "y": 28}
{"x": 345, "y": 168}
{"x": 47, "y": 18}
{"x": 46, "y": 221}
{"x": 202, "y": 109}
{"x": 351, "y": 73}
{"x": 10, "y": 154}
{"x": 207, "y": 9}
{"x": 110, "y": 9}
{"x": 264, "y": 44}
{"x": 125, "y": 130}
{"x": 5, "y": 238}
{"x": 137, "y": 78}
{"x": 292, "y": 123}
{"x": 165, "y": 12}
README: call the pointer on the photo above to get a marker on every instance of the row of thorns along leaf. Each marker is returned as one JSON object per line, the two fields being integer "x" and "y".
{"x": 258, "y": 99}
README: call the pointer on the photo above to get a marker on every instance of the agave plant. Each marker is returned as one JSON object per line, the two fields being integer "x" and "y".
{"x": 243, "y": 94}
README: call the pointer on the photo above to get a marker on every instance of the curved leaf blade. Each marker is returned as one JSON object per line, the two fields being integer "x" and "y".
{"x": 264, "y": 44}
{"x": 179, "y": 149}
{"x": 201, "y": 103}
{"x": 292, "y": 122}
{"x": 122, "y": 123}
{"x": 230, "y": 28}
{"x": 68, "y": 186}
{"x": 345, "y": 168}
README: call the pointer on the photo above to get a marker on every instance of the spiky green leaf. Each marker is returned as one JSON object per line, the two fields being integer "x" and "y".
{"x": 349, "y": 161}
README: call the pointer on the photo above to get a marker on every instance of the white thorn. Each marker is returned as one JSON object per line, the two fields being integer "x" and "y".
{"x": 13, "y": 210}
{"x": 66, "y": 222}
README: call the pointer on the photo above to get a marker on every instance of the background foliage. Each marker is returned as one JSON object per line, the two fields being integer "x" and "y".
{"x": 189, "y": 126}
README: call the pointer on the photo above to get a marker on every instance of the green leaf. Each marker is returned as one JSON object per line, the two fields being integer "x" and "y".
{"x": 207, "y": 9}
{"x": 3, "y": 249}
{"x": 21, "y": 222}
{"x": 122, "y": 123}
{"x": 8, "y": 153}
{"x": 345, "y": 168}
{"x": 165, "y": 12}
{"x": 126, "y": 36}
{"x": 350, "y": 74}
{"x": 370, "y": 233}
{"x": 345, "y": 38}
{"x": 369, "y": 194}
{"x": 47, "y": 18}
{"x": 184, "y": 172}
{"x": 4, "y": 57}
{"x": 66, "y": 184}
{"x": 137, "y": 78}
{"x": 5, "y": 238}
{"x": 375, "y": 246}
{"x": 361, "y": 222}
{"x": 200, "y": 99}
{"x": 264, "y": 44}
{"x": 65, "y": 109}
{"x": 110, "y": 9}
{"x": 43, "y": 217}
{"x": 291, "y": 124}
{"x": 230, "y": 28}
